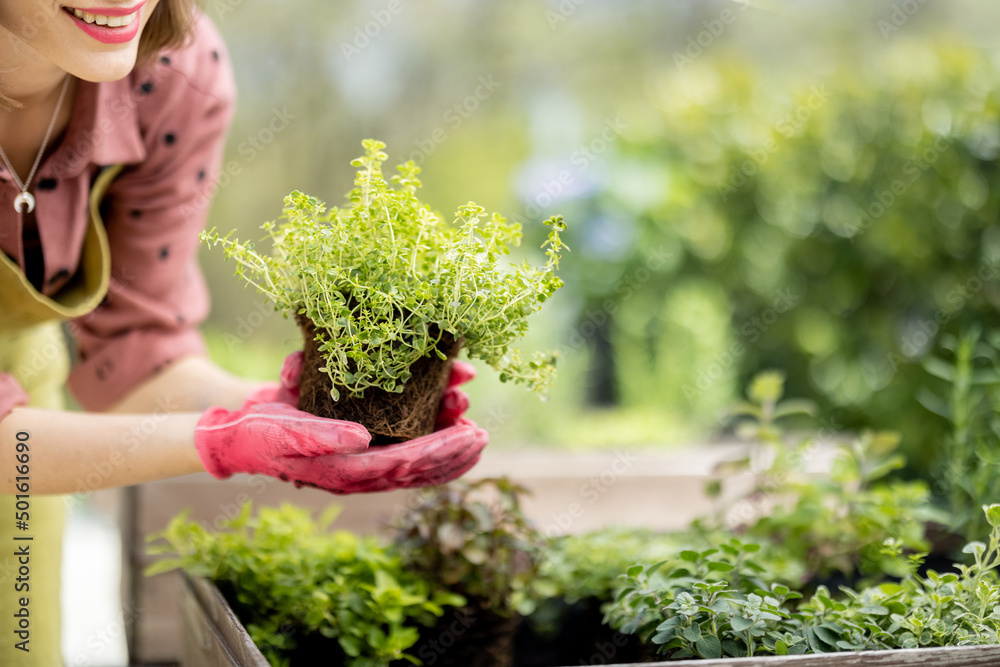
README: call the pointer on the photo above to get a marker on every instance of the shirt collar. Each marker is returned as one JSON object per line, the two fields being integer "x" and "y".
{"x": 104, "y": 130}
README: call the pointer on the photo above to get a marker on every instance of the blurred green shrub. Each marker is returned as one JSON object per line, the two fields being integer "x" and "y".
{"x": 847, "y": 220}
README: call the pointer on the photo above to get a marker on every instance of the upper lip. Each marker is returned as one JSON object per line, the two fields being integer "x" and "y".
{"x": 109, "y": 11}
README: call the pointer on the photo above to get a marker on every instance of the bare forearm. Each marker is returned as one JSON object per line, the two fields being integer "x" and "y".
{"x": 192, "y": 384}
{"x": 72, "y": 452}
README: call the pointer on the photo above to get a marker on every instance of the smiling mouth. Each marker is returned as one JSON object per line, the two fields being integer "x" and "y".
{"x": 103, "y": 19}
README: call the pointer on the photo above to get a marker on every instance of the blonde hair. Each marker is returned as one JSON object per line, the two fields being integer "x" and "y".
{"x": 168, "y": 27}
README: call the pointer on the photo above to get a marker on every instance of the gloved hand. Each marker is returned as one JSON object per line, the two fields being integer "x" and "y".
{"x": 429, "y": 460}
{"x": 266, "y": 437}
{"x": 269, "y": 435}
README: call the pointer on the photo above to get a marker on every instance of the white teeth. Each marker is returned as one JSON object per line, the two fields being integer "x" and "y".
{"x": 100, "y": 19}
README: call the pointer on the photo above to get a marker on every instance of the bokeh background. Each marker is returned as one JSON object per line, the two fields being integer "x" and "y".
{"x": 809, "y": 186}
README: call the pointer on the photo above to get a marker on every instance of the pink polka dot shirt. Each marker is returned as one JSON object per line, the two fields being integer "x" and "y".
{"x": 166, "y": 122}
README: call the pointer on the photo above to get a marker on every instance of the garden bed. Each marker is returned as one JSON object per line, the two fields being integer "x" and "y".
{"x": 562, "y": 486}
{"x": 214, "y": 637}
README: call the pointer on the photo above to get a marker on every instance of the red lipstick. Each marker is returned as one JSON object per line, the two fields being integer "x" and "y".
{"x": 107, "y": 34}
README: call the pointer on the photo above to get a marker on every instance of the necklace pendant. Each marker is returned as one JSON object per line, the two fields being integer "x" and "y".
{"x": 24, "y": 198}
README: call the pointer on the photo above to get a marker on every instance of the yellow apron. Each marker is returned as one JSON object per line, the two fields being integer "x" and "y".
{"x": 33, "y": 350}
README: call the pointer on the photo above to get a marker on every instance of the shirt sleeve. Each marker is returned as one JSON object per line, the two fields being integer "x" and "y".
{"x": 153, "y": 213}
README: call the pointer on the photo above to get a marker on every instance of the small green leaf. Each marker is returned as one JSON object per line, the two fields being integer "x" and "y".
{"x": 709, "y": 647}
{"x": 739, "y": 623}
{"x": 992, "y": 514}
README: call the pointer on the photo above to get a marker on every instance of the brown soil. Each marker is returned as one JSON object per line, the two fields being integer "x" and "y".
{"x": 388, "y": 417}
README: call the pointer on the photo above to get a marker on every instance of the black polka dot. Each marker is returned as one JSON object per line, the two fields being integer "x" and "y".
{"x": 157, "y": 369}
{"x": 169, "y": 138}
{"x": 135, "y": 213}
{"x": 83, "y": 355}
{"x": 61, "y": 274}
{"x": 147, "y": 87}
{"x": 105, "y": 369}
{"x": 201, "y": 174}
{"x": 165, "y": 252}
{"x": 47, "y": 184}
{"x": 215, "y": 54}
{"x": 165, "y": 60}
{"x": 180, "y": 319}
{"x": 105, "y": 301}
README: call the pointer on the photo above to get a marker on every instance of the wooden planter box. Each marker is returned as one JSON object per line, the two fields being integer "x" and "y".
{"x": 214, "y": 637}
{"x": 571, "y": 492}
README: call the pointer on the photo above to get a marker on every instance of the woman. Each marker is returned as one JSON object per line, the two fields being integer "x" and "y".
{"x": 112, "y": 120}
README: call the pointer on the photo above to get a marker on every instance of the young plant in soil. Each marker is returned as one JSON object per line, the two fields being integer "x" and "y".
{"x": 386, "y": 292}
{"x": 473, "y": 538}
{"x": 308, "y": 596}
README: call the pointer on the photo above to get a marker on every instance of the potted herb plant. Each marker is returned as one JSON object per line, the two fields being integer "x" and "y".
{"x": 473, "y": 538}
{"x": 386, "y": 292}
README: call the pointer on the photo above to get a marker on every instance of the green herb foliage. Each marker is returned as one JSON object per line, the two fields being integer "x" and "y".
{"x": 719, "y": 604}
{"x": 384, "y": 277}
{"x": 473, "y": 538}
{"x": 828, "y": 524}
{"x": 589, "y": 565}
{"x": 969, "y": 472}
{"x": 290, "y": 577}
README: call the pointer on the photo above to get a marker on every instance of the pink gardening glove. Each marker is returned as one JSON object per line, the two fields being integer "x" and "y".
{"x": 429, "y": 460}
{"x": 337, "y": 465}
{"x": 266, "y": 437}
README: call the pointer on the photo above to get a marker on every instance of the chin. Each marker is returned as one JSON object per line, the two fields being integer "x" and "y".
{"x": 104, "y": 67}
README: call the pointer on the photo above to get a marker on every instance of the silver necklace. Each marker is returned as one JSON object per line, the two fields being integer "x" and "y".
{"x": 26, "y": 198}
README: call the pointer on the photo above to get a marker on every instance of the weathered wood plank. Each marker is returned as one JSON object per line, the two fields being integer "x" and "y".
{"x": 213, "y": 636}
{"x": 949, "y": 656}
